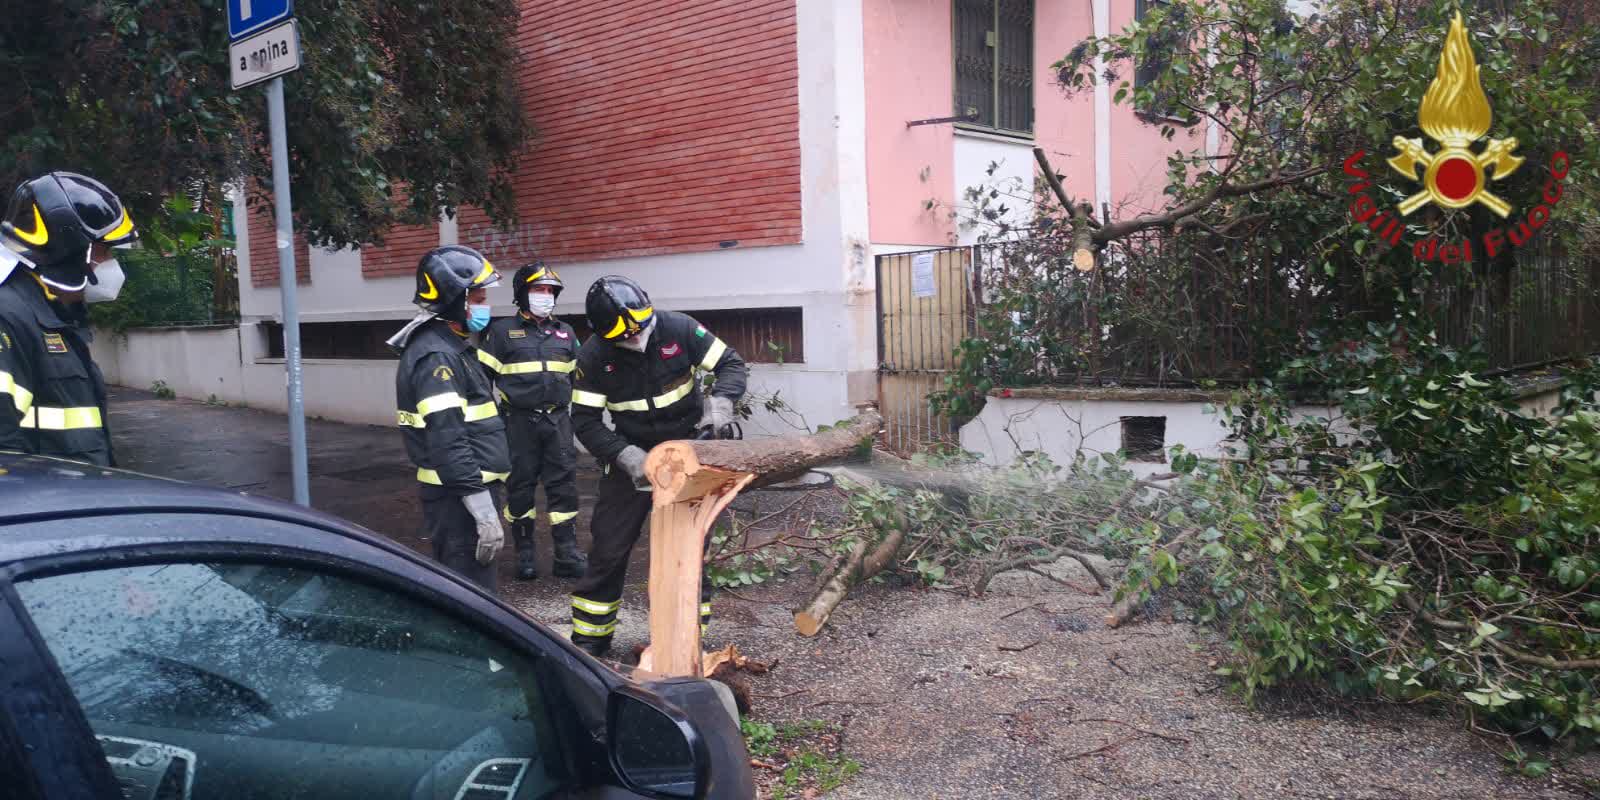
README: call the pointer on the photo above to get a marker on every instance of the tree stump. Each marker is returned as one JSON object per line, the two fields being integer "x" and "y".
{"x": 693, "y": 482}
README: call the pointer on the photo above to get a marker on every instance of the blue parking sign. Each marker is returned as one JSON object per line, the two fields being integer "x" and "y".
{"x": 248, "y": 16}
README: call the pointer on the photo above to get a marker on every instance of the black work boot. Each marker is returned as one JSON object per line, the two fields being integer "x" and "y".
{"x": 593, "y": 646}
{"x": 522, "y": 535}
{"x": 569, "y": 562}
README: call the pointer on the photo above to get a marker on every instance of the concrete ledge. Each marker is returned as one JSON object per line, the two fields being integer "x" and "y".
{"x": 215, "y": 326}
{"x": 1111, "y": 394}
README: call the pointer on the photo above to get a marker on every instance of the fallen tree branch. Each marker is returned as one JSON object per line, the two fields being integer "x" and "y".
{"x": 863, "y": 562}
{"x": 1548, "y": 662}
{"x": 1122, "y": 229}
{"x": 1129, "y": 604}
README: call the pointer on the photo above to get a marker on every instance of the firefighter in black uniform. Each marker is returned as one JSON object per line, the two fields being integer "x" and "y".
{"x": 453, "y": 430}
{"x": 531, "y": 357}
{"x": 55, "y": 248}
{"x": 640, "y": 365}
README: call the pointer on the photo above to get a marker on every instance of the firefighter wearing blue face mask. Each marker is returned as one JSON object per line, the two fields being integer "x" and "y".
{"x": 453, "y": 430}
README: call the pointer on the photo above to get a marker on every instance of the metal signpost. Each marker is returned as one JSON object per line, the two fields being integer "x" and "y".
{"x": 264, "y": 44}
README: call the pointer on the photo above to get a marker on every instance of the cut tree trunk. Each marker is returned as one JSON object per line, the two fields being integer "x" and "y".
{"x": 693, "y": 482}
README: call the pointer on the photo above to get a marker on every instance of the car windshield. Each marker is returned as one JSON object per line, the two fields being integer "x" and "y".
{"x": 281, "y": 671}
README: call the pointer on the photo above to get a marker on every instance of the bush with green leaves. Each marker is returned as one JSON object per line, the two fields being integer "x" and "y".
{"x": 1431, "y": 542}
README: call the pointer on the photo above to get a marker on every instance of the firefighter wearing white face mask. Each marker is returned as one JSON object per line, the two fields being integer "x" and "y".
{"x": 639, "y": 365}
{"x": 530, "y": 356}
{"x": 55, "y": 255}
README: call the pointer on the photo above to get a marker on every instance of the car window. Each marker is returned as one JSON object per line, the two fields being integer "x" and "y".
{"x": 268, "y": 681}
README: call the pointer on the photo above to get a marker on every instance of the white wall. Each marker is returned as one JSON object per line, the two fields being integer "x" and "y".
{"x": 829, "y": 276}
{"x": 1008, "y": 426}
{"x": 197, "y": 362}
{"x": 1059, "y": 428}
{"x": 1013, "y": 175}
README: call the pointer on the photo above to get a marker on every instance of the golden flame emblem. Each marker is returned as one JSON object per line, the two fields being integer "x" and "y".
{"x": 1455, "y": 113}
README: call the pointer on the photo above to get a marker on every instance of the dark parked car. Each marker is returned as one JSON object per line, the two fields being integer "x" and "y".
{"x": 164, "y": 641}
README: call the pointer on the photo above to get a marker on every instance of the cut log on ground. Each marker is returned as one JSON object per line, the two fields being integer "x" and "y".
{"x": 693, "y": 482}
{"x": 865, "y": 560}
{"x": 1129, "y": 604}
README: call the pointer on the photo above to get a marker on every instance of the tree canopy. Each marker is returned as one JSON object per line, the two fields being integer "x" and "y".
{"x": 400, "y": 110}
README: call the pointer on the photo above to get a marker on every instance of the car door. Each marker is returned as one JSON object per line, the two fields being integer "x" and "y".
{"x": 267, "y": 666}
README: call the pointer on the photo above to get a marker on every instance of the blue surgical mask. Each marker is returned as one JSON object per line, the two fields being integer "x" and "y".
{"x": 477, "y": 318}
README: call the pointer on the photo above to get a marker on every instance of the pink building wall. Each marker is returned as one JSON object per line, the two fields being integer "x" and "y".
{"x": 1138, "y": 151}
{"x": 910, "y": 75}
{"x": 1063, "y": 125}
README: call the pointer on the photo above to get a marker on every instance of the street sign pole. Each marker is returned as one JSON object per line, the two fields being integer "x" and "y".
{"x": 283, "y": 211}
{"x": 264, "y": 45}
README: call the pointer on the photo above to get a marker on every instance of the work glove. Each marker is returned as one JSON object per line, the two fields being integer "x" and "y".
{"x": 490, "y": 536}
{"x": 718, "y": 415}
{"x": 631, "y": 460}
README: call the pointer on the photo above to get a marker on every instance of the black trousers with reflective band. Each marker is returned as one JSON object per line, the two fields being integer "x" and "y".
{"x": 542, "y": 452}
{"x": 620, "y": 512}
{"x": 454, "y": 534}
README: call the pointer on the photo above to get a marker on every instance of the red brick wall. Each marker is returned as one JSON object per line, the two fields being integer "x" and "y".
{"x": 401, "y": 250}
{"x": 660, "y": 128}
{"x": 264, "y": 251}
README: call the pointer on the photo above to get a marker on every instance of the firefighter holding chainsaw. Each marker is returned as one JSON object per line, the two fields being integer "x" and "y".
{"x": 531, "y": 356}
{"x": 639, "y": 365}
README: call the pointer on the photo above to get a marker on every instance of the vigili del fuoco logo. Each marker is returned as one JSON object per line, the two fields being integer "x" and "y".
{"x": 1455, "y": 114}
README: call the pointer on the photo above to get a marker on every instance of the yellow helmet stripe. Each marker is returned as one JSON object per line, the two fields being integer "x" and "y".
{"x": 485, "y": 274}
{"x": 123, "y": 228}
{"x": 39, "y": 235}
{"x": 432, "y": 292}
{"x": 642, "y": 314}
{"x": 616, "y": 331}
{"x": 535, "y": 276}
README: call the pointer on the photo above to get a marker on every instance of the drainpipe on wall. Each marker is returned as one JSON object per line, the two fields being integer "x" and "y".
{"x": 1102, "y": 111}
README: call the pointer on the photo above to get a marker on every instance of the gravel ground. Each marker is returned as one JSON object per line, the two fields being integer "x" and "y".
{"x": 933, "y": 708}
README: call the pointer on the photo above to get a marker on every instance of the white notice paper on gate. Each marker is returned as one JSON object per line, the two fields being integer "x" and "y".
{"x": 922, "y": 275}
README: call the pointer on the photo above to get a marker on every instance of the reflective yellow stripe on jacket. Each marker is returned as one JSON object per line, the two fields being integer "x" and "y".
{"x": 45, "y": 418}
{"x": 713, "y": 355}
{"x": 431, "y": 477}
{"x": 21, "y": 397}
{"x": 525, "y": 367}
{"x": 659, "y": 401}
{"x": 441, "y": 402}
{"x": 590, "y": 399}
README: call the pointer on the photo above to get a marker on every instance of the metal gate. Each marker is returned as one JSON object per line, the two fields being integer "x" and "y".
{"x": 925, "y": 303}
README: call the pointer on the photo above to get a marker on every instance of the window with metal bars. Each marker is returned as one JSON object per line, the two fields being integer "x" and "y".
{"x": 994, "y": 63}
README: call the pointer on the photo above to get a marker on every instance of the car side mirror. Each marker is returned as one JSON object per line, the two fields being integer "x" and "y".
{"x": 654, "y": 748}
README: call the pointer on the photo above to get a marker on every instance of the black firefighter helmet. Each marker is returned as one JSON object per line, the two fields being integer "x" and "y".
{"x": 617, "y": 308}
{"x": 54, "y": 220}
{"x": 446, "y": 274}
{"x": 531, "y": 275}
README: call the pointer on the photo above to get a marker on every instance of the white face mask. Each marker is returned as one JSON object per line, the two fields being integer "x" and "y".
{"x": 109, "y": 278}
{"x": 540, "y": 305}
{"x": 638, "y": 343}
